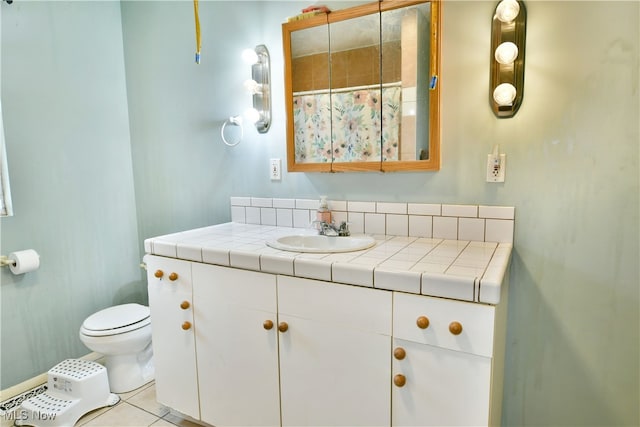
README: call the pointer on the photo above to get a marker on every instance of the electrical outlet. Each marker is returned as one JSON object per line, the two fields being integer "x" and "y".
{"x": 496, "y": 165}
{"x": 275, "y": 169}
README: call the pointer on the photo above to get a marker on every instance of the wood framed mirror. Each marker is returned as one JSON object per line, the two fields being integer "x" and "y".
{"x": 362, "y": 89}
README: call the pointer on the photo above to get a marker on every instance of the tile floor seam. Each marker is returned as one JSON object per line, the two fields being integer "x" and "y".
{"x": 95, "y": 420}
{"x": 168, "y": 411}
{"x": 167, "y": 418}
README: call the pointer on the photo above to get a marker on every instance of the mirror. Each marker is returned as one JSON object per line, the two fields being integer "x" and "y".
{"x": 355, "y": 92}
{"x": 309, "y": 80}
{"x": 362, "y": 90}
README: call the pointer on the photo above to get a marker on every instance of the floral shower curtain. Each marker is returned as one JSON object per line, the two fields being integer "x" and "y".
{"x": 357, "y": 116}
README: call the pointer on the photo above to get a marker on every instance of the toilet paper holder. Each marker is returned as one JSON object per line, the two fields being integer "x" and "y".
{"x": 6, "y": 262}
{"x": 21, "y": 262}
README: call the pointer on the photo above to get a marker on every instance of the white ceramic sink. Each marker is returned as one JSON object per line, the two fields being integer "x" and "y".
{"x": 322, "y": 244}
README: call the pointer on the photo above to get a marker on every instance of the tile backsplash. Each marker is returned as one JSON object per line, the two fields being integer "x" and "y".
{"x": 441, "y": 221}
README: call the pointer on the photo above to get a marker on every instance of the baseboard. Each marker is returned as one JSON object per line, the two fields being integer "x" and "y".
{"x": 37, "y": 381}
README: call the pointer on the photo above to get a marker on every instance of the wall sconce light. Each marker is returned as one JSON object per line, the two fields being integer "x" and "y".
{"x": 259, "y": 86}
{"x": 508, "y": 34}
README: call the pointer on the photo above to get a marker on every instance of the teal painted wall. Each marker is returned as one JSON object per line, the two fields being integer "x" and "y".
{"x": 572, "y": 174}
{"x": 67, "y": 134}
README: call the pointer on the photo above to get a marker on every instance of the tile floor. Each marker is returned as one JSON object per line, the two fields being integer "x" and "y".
{"x": 137, "y": 408}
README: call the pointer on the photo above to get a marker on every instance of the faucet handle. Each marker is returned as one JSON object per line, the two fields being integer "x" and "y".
{"x": 343, "y": 230}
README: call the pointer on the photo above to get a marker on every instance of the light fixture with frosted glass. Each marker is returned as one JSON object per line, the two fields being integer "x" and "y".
{"x": 504, "y": 94}
{"x": 259, "y": 86}
{"x": 507, "y": 10}
{"x": 506, "y": 53}
{"x": 508, "y": 34}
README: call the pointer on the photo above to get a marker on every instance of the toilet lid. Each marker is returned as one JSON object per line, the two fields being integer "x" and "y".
{"x": 119, "y": 316}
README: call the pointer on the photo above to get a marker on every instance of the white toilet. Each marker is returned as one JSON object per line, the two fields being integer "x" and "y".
{"x": 123, "y": 335}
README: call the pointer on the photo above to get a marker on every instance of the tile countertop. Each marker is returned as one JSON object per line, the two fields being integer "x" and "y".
{"x": 457, "y": 269}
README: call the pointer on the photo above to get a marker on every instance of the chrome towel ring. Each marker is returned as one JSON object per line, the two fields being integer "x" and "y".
{"x": 236, "y": 121}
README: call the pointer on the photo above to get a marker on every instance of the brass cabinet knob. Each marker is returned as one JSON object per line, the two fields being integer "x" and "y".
{"x": 267, "y": 324}
{"x": 399, "y": 353}
{"x": 283, "y": 327}
{"x": 455, "y": 328}
{"x": 422, "y": 322}
{"x": 186, "y": 325}
{"x": 400, "y": 380}
{"x": 159, "y": 274}
{"x": 185, "y": 304}
{"x": 173, "y": 276}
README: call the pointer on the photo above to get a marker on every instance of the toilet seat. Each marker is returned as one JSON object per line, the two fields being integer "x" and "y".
{"x": 116, "y": 320}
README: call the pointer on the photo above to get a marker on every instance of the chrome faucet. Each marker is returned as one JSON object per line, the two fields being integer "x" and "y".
{"x": 331, "y": 229}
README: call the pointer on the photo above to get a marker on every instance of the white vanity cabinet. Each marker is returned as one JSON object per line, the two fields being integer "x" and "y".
{"x": 335, "y": 362}
{"x": 243, "y": 347}
{"x": 172, "y": 333}
{"x": 447, "y": 365}
{"x": 237, "y": 346}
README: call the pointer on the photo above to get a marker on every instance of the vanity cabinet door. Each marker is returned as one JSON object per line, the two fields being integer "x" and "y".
{"x": 237, "y": 346}
{"x": 334, "y": 354}
{"x": 172, "y": 333}
{"x": 441, "y": 387}
{"x": 443, "y": 361}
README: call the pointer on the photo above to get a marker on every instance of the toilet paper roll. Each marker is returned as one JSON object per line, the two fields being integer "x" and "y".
{"x": 24, "y": 261}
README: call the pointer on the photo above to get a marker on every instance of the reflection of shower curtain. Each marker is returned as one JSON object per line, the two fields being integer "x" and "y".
{"x": 312, "y": 127}
{"x": 356, "y": 117}
{"x": 5, "y": 193}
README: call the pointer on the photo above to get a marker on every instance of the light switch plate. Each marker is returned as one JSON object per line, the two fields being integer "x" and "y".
{"x": 275, "y": 166}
